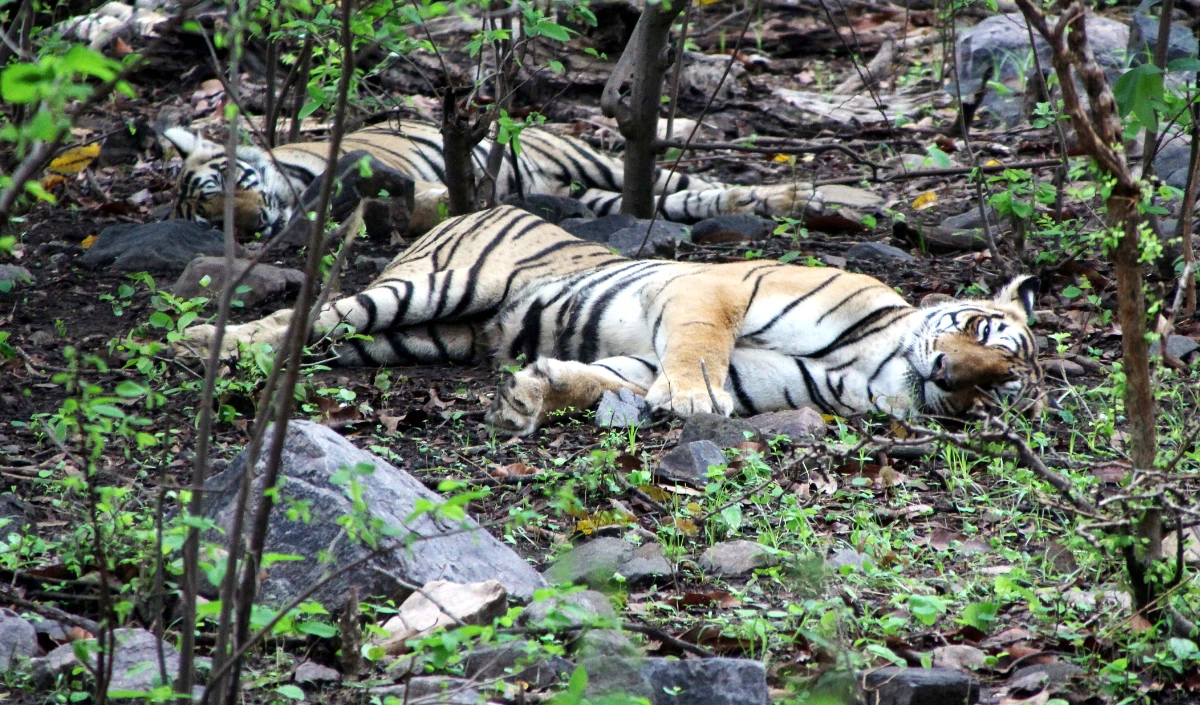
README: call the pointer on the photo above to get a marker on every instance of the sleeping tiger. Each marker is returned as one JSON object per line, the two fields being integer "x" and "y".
{"x": 268, "y": 191}
{"x": 506, "y": 285}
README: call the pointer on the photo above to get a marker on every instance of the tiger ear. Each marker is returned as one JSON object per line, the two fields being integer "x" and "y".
{"x": 1023, "y": 289}
{"x": 186, "y": 142}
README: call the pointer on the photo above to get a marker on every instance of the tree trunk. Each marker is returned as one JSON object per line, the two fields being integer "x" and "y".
{"x": 643, "y": 64}
{"x": 456, "y": 151}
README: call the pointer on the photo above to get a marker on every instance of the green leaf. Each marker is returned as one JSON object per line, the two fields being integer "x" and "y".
{"x": 1139, "y": 91}
{"x": 81, "y": 59}
{"x": 130, "y": 389}
{"x": 318, "y": 629}
{"x": 309, "y": 108}
{"x": 789, "y": 257}
{"x": 553, "y": 30}
{"x": 1186, "y": 63}
{"x": 926, "y": 608}
{"x": 980, "y": 615}
{"x": 290, "y": 691}
{"x": 158, "y": 319}
{"x": 1072, "y": 292}
{"x": 20, "y": 83}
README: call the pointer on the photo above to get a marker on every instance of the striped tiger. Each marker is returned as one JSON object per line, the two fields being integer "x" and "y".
{"x": 506, "y": 286}
{"x": 268, "y": 190}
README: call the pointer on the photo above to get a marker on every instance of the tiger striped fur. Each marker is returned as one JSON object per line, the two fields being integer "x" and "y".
{"x": 268, "y": 190}
{"x": 507, "y": 286}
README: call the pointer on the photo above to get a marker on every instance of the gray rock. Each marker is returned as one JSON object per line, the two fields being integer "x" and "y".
{"x": 18, "y": 640}
{"x": 1171, "y": 164}
{"x": 603, "y": 642}
{"x": 1143, "y": 35}
{"x": 735, "y": 557}
{"x": 1002, "y": 42}
{"x": 12, "y": 276}
{"x": 689, "y": 462}
{"x": 598, "y": 229}
{"x": 969, "y": 220}
{"x": 663, "y": 236}
{"x": 850, "y": 557}
{"x": 43, "y": 338}
{"x": 313, "y": 672}
{"x": 1052, "y": 675}
{"x": 959, "y": 656}
{"x": 796, "y": 424}
{"x": 920, "y": 686}
{"x": 732, "y": 228}
{"x": 135, "y": 663}
{"x": 877, "y": 252}
{"x": 622, "y": 410}
{"x": 596, "y": 562}
{"x": 572, "y": 610}
{"x": 516, "y": 661}
{"x": 431, "y": 690}
{"x": 1058, "y": 368}
{"x": 20, "y": 515}
{"x": 312, "y": 455}
{"x": 263, "y": 280}
{"x": 165, "y": 247}
{"x": 1179, "y": 346}
{"x": 702, "y": 74}
{"x": 714, "y": 681}
{"x": 722, "y": 430}
{"x": 552, "y": 208}
{"x": 372, "y": 264}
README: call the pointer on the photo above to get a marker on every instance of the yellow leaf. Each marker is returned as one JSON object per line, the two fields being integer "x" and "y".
{"x": 87, "y": 241}
{"x": 992, "y": 162}
{"x": 709, "y": 2}
{"x": 585, "y": 527}
{"x": 687, "y": 527}
{"x": 52, "y": 180}
{"x": 784, "y": 159}
{"x": 899, "y": 431}
{"x": 694, "y": 508}
{"x": 75, "y": 160}
{"x": 925, "y": 200}
{"x": 655, "y": 493}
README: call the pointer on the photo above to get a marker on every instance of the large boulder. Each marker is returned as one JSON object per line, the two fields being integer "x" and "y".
{"x": 264, "y": 280}
{"x": 710, "y": 681}
{"x": 314, "y": 458}
{"x": 1001, "y": 43}
{"x": 135, "y": 665}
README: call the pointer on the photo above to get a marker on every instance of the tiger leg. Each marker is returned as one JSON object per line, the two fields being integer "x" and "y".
{"x": 525, "y": 401}
{"x": 436, "y": 343}
{"x": 790, "y": 199}
{"x": 695, "y": 339}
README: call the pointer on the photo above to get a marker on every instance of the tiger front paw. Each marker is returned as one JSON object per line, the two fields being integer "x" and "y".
{"x": 199, "y": 340}
{"x": 519, "y": 405}
{"x": 687, "y": 401}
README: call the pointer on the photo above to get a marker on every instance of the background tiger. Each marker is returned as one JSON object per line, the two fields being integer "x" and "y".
{"x": 268, "y": 190}
{"x": 506, "y": 285}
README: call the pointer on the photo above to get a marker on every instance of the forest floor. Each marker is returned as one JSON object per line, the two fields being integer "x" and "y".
{"x": 936, "y": 549}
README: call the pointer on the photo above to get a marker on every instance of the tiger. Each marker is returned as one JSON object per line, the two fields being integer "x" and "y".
{"x": 269, "y": 184}
{"x": 505, "y": 286}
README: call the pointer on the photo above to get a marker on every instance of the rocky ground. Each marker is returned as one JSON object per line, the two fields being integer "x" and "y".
{"x": 722, "y": 561}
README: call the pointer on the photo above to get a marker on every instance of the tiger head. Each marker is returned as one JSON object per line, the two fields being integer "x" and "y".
{"x": 262, "y": 197}
{"x": 973, "y": 353}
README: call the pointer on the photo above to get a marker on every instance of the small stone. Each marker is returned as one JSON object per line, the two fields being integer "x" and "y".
{"x": 313, "y": 672}
{"x": 704, "y": 75}
{"x": 43, "y": 338}
{"x": 959, "y": 656}
{"x": 596, "y": 562}
{"x": 263, "y": 280}
{"x": 622, "y": 410}
{"x": 1046, "y": 317}
{"x": 1045, "y": 676}
{"x": 796, "y": 424}
{"x": 877, "y": 252}
{"x": 372, "y": 264}
{"x": 663, "y": 237}
{"x": 516, "y": 661}
{"x": 1058, "y": 368}
{"x": 431, "y": 690}
{"x": 848, "y": 557}
{"x": 1179, "y": 346}
{"x": 603, "y": 642}
{"x": 554, "y": 209}
{"x": 572, "y": 610}
{"x": 134, "y": 666}
{"x": 12, "y": 276}
{"x": 892, "y": 685}
{"x": 732, "y": 229}
{"x": 849, "y": 197}
{"x": 597, "y": 229}
{"x": 163, "y": 247}
{"x": 18, "y": 640}
{"x": 722, "y": 430}
{"x": 713, "y": 681}
{"x": 1143, "y": 35}
{"x": 689, "y": 462}
{"x": 419, "y": 615}
{"x": 735, "y": 557}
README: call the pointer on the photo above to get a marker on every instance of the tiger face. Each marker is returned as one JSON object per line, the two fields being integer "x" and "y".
{"x": 970, "y": 354}
{"x": 261, "y": 202}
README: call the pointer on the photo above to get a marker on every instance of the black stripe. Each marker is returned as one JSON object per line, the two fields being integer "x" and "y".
{"x": 740, "y": 392}
{"x": 843, "y": 302}
{"x": 787, "y": 309}
{"x": 366, "y": 302}
{"x": 814, "y": 395}
{"x": 858, "y": 330}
